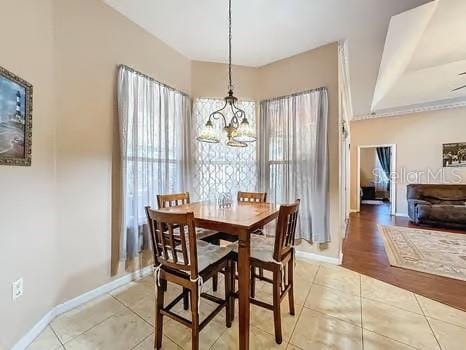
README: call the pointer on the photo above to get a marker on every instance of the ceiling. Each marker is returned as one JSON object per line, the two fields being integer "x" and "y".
{"x": 268, "y": 30}
{"x": 425, "y": 50}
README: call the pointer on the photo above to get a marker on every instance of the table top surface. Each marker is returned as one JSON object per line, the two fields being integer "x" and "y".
{"x": 241, "y": 214}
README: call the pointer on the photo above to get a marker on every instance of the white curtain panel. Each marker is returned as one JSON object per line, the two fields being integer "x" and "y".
{"x": 218, "y": 167}
{"x": 293, "y": 154}
{"x": 154, "y": 122}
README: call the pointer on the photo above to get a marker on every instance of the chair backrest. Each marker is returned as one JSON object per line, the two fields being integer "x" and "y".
{"x": 257, "y": 197}
{"x": 172, "y": 200}
{"x": 286, "y": 230}
{"x": 174, "y": 240}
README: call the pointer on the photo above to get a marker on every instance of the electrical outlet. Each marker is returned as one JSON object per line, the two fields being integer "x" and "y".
{"x": 17, "y": 288}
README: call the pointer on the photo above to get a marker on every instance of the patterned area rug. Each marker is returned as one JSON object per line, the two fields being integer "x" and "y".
{"x": 434, "y": 252}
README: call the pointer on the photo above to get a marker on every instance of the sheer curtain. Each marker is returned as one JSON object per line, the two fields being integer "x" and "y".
{"x": 218, "y": 167}
{"x": 154, "y": 124}
{"x": 293, "y": 153}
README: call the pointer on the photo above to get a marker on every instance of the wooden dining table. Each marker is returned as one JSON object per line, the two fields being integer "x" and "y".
{"x": 241, "y": 219}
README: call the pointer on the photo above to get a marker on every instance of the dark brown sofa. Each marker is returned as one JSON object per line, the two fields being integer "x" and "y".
{"x": 437, "y": 205}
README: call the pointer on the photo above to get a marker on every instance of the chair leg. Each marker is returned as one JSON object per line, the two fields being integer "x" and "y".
{"x": 215, "y": 277}
{"x": 195, "y": 317}
{"x": 233, "y": 289}
{"x": 253, "y": 281}
{"x": 291, "y": 283}
{"x": 277, "y": 278}
{"x": 261, "y": 272}
{"x": 215, "y": 282}
{"x": 158, "y": 315}
{"x": 185, "y": 298}
{"x": 228, "y": 295}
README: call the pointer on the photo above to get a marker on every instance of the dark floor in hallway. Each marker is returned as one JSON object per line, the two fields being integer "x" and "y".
{"x": 364, "y": 252}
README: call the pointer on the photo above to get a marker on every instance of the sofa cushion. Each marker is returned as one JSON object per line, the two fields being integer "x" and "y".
{"x": 435, "y": 200}
{"x": 442, "y": 213}
{"x": 437, "y": 192}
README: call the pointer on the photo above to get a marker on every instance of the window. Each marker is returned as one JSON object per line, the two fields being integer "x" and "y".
{"x": 218, "y": 167}
{"x": 152, "y": 135}
{"x": 294, "y": 156}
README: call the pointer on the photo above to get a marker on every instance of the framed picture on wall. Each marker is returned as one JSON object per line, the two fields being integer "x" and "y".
{"x": 454, "y": 154}
{"x": 15, "y": 119}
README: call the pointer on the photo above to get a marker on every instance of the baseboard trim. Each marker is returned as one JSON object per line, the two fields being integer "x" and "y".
{"x": 402, "y": 215}
{"x": 37, "y": 329}
{"x": 34, "y": 332}
{"x": 317, "y": 257}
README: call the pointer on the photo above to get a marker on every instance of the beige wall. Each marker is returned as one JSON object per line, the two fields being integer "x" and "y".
{"x": 211, "y": 80}
{"x": 66, "y": 234}
{"x": 367, "y": 166}
{"x": 88, "y": 54}
{"x": 28, "y": 235}
{"x": 308, "y": 70}
{"x": 69, "y": 50}
{"x": 418, "y": 138}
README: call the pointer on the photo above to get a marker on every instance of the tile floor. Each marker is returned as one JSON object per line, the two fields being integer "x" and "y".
{"x": 335, "y": 309}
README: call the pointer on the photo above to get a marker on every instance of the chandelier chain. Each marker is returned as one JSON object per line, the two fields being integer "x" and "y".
{"x": 230, "y": 87}
{"x": 238, "y": 130}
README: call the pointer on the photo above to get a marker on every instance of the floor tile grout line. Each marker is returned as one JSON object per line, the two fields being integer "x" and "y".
{"x": 436, "y": 318}
{"x": 216, "y": 340}
{"x": 315, "y": 274}
{"x": 381, "y": 302}
{"x": 337, "y": 318}
{"x": 388, "y": 304}
{"x": 333, "y": 288}
{"x": 433, "y": 333}
{"x": 383, "y": 335}
{"x": 56, "y": 335}
{"x": 130, "y": 309}
{"x": 420, "y": 305}
{"x": 392, "y": 339}
{"x": 142, "y": 341}
{"x": 297, "y": 321}
{"x": 87, "y": 330}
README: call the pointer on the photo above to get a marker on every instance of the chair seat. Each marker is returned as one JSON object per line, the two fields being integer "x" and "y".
{"x": 203, "y": 233}
{"x": 208, "y": 254}
{"x": 261, "y": 248}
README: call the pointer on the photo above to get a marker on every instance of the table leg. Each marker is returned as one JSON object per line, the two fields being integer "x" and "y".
{"x": 243, "y": 282}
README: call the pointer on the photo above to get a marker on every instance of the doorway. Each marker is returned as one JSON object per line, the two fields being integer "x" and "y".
{"x": 376, "y": 164}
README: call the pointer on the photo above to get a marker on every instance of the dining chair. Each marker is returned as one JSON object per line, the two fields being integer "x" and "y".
{"x": 177, "y": 199}
{"x": 172, "y": 199}
{"x": 188, "y": 264}
{"x": 275, "y": 254}
{"x": 256, "y": 197}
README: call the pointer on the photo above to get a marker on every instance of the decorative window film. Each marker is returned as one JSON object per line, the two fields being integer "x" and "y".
{"x": 218, "y": 167}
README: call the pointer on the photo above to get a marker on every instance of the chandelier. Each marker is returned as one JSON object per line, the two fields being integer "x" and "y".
{"x": 238, "y": 130}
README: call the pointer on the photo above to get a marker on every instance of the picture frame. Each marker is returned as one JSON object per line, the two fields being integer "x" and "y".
{"x": 454, "y": 155}
{"x": 15, "y": 119}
